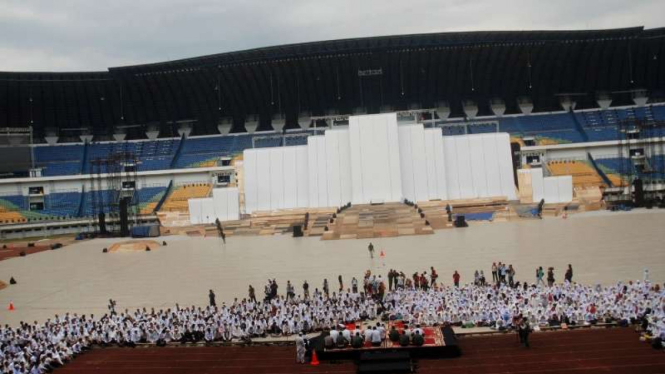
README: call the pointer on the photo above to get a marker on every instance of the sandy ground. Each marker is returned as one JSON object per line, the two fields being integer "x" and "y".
{"x": 603, "y": 247}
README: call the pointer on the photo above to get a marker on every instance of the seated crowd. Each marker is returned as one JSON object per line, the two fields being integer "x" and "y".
{"x": 35, "y": 348}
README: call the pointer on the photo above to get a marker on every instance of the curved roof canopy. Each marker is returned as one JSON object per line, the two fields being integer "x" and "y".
{"x": 342, "y": 76}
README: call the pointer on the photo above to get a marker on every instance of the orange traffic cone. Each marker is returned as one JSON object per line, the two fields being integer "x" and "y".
{"x": 315, "y": 360}
{"x": 11, "y": 306}
{"x": 382, "y": 254}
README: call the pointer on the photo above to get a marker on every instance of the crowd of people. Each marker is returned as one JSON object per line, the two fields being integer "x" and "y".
{"x": 33, "y": 348}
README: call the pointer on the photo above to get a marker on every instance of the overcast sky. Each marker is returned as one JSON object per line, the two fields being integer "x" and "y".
{"x": 89, "y": 35}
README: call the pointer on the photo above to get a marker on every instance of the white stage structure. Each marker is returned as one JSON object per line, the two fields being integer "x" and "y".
{"x": 276, "y": 178}
{"x": 375, "y": 160}
{"x": 223, "y": 205}
{"x": 553, "y": 189}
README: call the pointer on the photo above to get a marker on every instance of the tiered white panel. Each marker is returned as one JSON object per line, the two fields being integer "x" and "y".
{"x": 276, "y": 178}
{"x": 225, "y": 202}
{"x": 338, "y": 157}
{"x": 375, "y": 160}
{"x": 553, "y": 189}
{"x": 223, "y": 205}
{"x": 375, "y": 164}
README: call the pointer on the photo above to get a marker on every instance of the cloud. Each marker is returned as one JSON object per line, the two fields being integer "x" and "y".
{"x": 72, "y": 35}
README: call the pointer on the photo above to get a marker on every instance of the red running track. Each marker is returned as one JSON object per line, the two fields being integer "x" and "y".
{"x": 582, "y": 351}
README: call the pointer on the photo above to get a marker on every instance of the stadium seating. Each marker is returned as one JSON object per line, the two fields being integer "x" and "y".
{"x": 267, "y": 142}
{"x": 148, "y": 198}
{"x": 453, "y": 130}
{"x": 10, "y": 207}
{"x": 177, "y": 200}
{"x": 59, "y": 159}
{"x": 616, "y": 165}
{"x": 482, "y": 128}
{"x": 296, "y": 139}
{"x": 658, "y": 112}
{"x": 550, "y": 128}
{"x": 88, "y": 208}
{"x": 62, "y": 204}
{"x": 582, "y": 172}
{"x": 150, "y": 155}
{"x": 198, "y": 152}
{"x": 546, "y": 128}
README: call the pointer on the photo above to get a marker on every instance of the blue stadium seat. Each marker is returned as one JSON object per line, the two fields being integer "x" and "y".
{"x": 616, "y": 165}
{"x": 59, "y": 159}
{"x": 658, "y": 112}
{"x": 63, "y": 204}
{"x": 558, "y": 126}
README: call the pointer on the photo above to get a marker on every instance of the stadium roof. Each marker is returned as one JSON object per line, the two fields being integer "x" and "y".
{"x": 341, "y": 76}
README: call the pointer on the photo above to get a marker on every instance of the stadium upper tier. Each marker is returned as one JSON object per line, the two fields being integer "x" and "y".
{"x": 174, "y": 153}
{"x": 342, "y": 76}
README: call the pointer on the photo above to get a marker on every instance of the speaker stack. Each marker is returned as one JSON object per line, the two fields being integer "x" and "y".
{"x": 460, "y": 221}
{"x": 639, "y": 192}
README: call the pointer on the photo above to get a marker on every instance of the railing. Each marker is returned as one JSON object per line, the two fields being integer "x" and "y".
{"x": 176, "y": 156}
{"x": 600, "y": 172}
{"x": 164, "y": 197}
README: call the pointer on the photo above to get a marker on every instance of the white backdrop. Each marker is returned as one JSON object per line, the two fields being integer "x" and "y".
{"x": 553, "y": 189}
{"x": 201, "y": 210}
{"x": 537, "y": 184}
{"x": 413, "y": 162}
{"x": 422, "y": 163}
{"x": 225, "y": 202}
{"x": 436, "y": 165}
{"x": 223, "y": 205}
{"x": 375, "y": 164}
{"x": 374, "y": 159}
{"x": 318, "y": 171}
{"x": 338, "y": 166}
{"x": 276, "y": 178}
{"x": 478, "y": 165}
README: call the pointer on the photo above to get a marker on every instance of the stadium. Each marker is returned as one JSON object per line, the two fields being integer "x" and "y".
{"x": 164, "y": 186}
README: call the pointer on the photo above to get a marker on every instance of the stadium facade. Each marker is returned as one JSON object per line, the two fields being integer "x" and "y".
{"x": 484, "y": 71}
{"x": 583, "y": 104}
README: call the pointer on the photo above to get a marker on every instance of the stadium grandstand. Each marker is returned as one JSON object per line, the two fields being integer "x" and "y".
{"x": 567, "y": 99}
{"x": 486, "y": 164}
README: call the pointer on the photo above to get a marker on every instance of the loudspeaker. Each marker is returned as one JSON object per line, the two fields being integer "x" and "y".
{"x": 124, "y": 222}
{"x": 102, "y": 223}
{"x": 639, "y": 192}
{"x": 297, "y": 231}
{"x": 460, "y": 221}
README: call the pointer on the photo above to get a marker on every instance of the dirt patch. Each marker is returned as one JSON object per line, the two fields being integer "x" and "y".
{"x": 15, "y": 251}
{"x": 133, "y": 246}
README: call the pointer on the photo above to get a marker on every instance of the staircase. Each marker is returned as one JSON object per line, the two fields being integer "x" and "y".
{"x": 176, "y": 157}
{"x": 79, "y": 211}
{"x": 579, "y": 127}
{"x": 377, "y": 221}
{"x": 84, "y": 160}
{"x": 164, "y": 196}
{"x": 600, "y": 171}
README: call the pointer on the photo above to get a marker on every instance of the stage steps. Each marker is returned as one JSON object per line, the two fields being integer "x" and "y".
{"x": 281, "y": 222}
{"x": 377, "y": 221}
